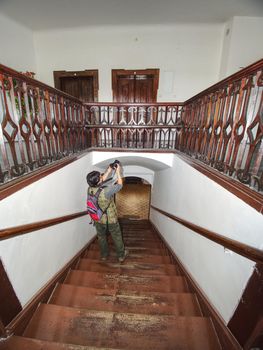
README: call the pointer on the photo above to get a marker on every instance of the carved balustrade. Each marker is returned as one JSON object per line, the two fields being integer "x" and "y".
{"x": 223, "y": 126}
{"x": 134, "y": 126}
{"x": 38, "y": 125}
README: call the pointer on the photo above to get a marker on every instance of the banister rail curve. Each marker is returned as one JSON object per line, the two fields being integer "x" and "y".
{"x": 22, "y": 229}
{"x": 245, "y": 250}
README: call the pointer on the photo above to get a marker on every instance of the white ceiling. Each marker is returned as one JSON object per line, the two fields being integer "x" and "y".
{"x": 50, "y": 14}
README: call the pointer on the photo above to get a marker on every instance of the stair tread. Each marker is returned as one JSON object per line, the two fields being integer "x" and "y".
{"x": 22, "y": 343}
{"x": 136, "y": 250}
{"x": 127, "y": 282}
{"x": 121, "y": 330}
{"x": 184, "y": 304}
{"x": 128, "y": 267}
{"x": 133, "y": 257}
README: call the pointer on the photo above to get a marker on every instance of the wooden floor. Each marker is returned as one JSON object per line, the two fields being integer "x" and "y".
{"x": 143, "y": 303}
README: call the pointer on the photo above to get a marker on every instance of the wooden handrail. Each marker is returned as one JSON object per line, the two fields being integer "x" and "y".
{"x": 245, "y": 250}
{"x": 22, "y": 229}
{"x": 36, "y": 83}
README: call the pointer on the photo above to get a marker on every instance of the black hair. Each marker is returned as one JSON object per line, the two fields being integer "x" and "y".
{"x": 93, "y": 178}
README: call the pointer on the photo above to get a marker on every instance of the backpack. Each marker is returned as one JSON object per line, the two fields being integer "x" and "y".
{"x": 93, "y": 207}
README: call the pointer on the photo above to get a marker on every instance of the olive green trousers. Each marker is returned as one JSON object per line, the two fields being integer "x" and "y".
{"x": 116, "y": 235}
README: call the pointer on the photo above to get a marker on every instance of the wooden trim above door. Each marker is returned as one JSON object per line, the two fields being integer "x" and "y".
{"x": 150, "y": 71}
{"x": 94, "y": 73}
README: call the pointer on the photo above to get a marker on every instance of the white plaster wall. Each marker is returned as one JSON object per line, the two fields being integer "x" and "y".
{"x": 192, "y": 196}
{"x": 17, "y": 46}
{"x": 242, "y": 44}
{"x": 188, "y": 55}
{"x": 139, "y": 171}
{"x": 33, "y": 259}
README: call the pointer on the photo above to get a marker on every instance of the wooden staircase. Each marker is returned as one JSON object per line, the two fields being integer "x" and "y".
{"x": 143, "y": 303}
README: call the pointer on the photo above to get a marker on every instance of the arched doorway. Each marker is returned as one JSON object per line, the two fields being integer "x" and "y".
{"x": 133, "y": 201}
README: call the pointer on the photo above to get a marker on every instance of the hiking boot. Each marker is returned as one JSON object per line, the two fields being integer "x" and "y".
{"x": 126, "y": 253}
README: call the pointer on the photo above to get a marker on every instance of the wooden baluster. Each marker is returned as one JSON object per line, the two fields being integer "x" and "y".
{"x": 228, "y": 128}
{"x": 195, "y": 127}
{"x": 63, "y": 126}
{"x": 207, "y": 128}
{"x": 84, "y": 142}
{"x": 55, "y": 126}
{"x": 257, "y": 125}
{"x": 217, "y": 127}
{"x": 26, "y": 122}
{"x": 210, "y": 127}
{"x": 190, "y": 128}
{"x": 221, "y": 149}
{"x": 17, "y": 168}
{"x": 48, "y": 126}
{"x": 57, "y": 112}
{"x": 240, "y": 124}
{"x": 186, "y": 128}
{"x": 203, "y": 116}
{"x": 5, "y": 173}
{"x": 37, "y": 127}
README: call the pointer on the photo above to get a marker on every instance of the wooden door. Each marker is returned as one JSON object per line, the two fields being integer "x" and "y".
{"x": 80, "y": 84}
{"x": 135, "y": 85}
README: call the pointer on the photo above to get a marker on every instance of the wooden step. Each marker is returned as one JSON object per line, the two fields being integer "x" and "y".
{"x": 121, "y": 330}
{"x": 180, "y": 304}
{"x": 135, "y": 250}
{"x": 133, "y": 257}
{"x": 127, "y": 268}
{"x": 23, "y": 343}
{"x": 126, "y": 282}
{"x": 139, "y": 243}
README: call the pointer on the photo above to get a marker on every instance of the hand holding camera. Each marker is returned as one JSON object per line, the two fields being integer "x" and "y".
{"x": 115, "y": 164}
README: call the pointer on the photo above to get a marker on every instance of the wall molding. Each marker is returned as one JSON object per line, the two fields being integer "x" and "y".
{"x": 226, "y": 338}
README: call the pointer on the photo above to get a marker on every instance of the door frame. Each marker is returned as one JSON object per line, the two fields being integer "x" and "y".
{"x": 149, "y": 71}
{"x": 94, "y": 73}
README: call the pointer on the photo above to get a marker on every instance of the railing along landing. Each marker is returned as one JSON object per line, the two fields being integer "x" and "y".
{"x": 221, "y": 127}
{"x": 39, "y": 125}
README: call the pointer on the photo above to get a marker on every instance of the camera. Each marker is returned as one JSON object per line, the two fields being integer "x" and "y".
{"x": 114, "y": 164}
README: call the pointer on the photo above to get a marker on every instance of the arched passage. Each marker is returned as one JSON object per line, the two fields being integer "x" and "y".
{"x": 133, "y": 201}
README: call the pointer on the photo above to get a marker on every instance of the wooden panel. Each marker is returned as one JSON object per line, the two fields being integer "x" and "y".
{"x": 125, "y": 88}
{"x": 133, "y": 201}
{"x": 80, "y": 84}
{"x": 135, "y": 85}
{"x": 144, "y": 88}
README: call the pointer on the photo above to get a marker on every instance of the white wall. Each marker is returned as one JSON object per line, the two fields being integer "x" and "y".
{"x": 33, "y": 259}
{"x": 188, "y": 55}
{"x": 242, "y": 44}
{"x": 17, "y": 46}
{"x": 194, "y": 197}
